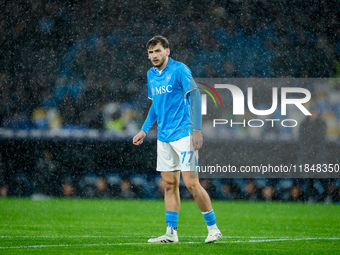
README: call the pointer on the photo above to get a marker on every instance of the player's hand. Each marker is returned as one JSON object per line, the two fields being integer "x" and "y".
{"x": 138, "y": 139}
{"x": 197, "y": 140}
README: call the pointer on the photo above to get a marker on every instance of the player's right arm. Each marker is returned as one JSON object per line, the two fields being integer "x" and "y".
{"x": 138, "y": 139}
{"x": 150, "y": 120}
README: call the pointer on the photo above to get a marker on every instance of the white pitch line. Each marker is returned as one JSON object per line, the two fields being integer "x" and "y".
{"x": 120, "y": 244}
{"x": 229, "y": 237}
{"x": 282, "y": 239}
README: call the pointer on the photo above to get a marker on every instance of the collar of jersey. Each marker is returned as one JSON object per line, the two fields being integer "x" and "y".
{"x": 170, "y": 61}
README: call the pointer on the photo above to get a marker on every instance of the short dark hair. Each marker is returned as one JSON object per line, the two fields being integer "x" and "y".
{"x": 157, "y": 39}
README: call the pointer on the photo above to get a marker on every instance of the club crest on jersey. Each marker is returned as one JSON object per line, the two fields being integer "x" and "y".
{"x": 168, "y": 77}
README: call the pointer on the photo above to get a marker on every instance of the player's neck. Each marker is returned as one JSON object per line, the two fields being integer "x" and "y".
{"x": 160, "y": 69}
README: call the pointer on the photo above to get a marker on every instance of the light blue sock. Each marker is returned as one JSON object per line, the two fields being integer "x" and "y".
{"x": 171, "y": 219}
{"x": 210, "y": 218}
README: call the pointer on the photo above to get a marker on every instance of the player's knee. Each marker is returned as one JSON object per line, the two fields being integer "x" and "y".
{"x": 170, "y": 185}
{"x": 193, "y": 186}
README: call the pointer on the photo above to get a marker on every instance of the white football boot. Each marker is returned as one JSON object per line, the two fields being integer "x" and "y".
{"x": 164, "y": 239}
{"x": 213, "y": 236}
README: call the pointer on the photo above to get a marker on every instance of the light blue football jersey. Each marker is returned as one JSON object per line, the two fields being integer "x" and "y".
{"x": 168, "y": 91}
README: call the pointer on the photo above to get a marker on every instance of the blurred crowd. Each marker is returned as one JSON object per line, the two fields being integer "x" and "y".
{"x": 47, "y": 180}
{"x": 82, "y": 64}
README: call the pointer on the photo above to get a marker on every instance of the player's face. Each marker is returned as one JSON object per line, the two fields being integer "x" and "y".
{"x": 158, "y": 56}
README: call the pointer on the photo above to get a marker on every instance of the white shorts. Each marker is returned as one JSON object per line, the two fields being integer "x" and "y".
{"x": 176, "y": 155}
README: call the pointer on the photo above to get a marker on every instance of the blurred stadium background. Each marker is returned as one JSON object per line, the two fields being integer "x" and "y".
{"x": 73, "y": 90}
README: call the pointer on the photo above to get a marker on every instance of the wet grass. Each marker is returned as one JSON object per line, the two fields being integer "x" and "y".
{"x": 84, "y": 226}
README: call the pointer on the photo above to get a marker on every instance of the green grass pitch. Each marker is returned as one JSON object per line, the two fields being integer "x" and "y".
{"x": 85, "y": 226}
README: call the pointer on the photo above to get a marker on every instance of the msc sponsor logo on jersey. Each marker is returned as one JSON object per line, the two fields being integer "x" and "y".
{"x": 161, "y": 90}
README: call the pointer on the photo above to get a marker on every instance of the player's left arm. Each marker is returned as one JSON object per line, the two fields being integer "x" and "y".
{"x": 196, "y": 118}
{"x": 190, "y": 88}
